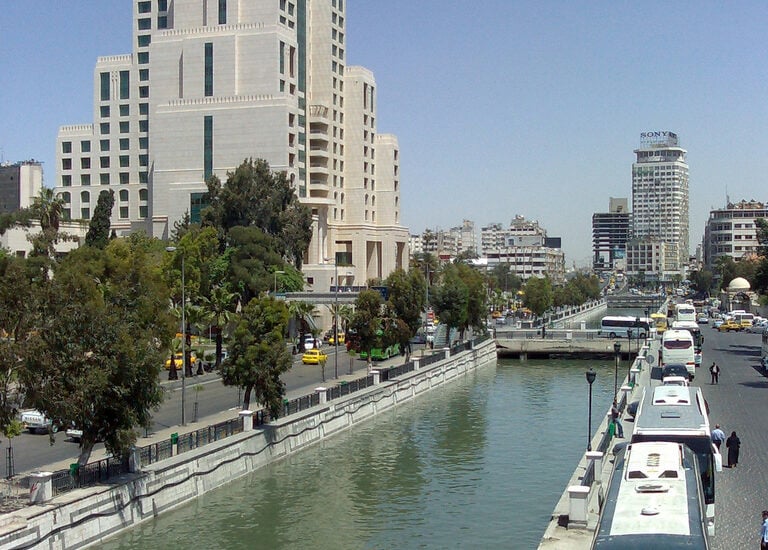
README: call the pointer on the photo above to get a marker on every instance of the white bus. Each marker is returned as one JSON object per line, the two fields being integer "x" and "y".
{"x": 624, "y": 327}
{"x": 677, "y": 347}
{"x": 685, "y": 312}
{"x": 679, "y": 414}
{"x": 654, "y": 500}
{"x": 698, "y": 338}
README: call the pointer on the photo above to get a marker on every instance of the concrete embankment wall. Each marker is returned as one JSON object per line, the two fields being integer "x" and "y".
{"x": 85, "y": 517}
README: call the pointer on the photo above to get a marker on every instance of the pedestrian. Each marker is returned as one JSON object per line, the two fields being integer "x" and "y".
{"x": 734, "y": 444}
{"x": 764, "y": 532}
{"x": 618, "y": 429}
{"x": 718, "y": 436}
{"x": 714, "y": 371}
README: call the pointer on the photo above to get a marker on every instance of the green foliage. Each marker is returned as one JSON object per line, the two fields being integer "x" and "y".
{"x": 701, "y": 281}
{"x": 729, "y": 269}
{"x": 576, "y": 291}
{"x": 366, "y": 321}
{"x": 98, "y": 228}
{"x": 503, "y": 277}
{"x": 258, "y": 355}
{"x": 407, "y": 296}
{"x": 253, "y": 196}
{"x": 539, "y": 296}
{"x": 253, "y": 261}
{"x": 451, "y": 299}
{"x": 100, "y": 340}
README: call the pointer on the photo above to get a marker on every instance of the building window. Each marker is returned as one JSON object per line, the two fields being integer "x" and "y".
{"x": 66, "y": 180}
{"x": 124, "y": 127}
{"x": 143, "y": 211}
{"x": 143, "y": 108}
{"x": 104, "y": 128}
{"x": 143, "y": 177}
{"x": 124, "y": 144}
{"x": 125, "y": 84}
{"x": 281, "y": 59}
{"x": 162, "y": 21}
{"x": 143, "y": 143}
{"x": 143, "y": 58}
{"x": 208, "y": 69}
{"x": 143, "y": 195}
{"x": 143, "y": 126}
{"x": 104, "y": 145}
{"x": 162, "y": 5}
{"x": 104, "y": 162}
{"x": 197, "y": 202}
{"x": 123, "y": 212}
{"x": 104, "y": 111}
{"x": 222, "y": 12}
{"x": 143, "y": 75}
{"x": 144, "y": 40}
{"x": 143, "y": 160}
{"x": 125, "y": 110}
{"x": 207, "y": 146}
{"x": 104, "y": 77}
{"x": 143, "y": 91}
{"x": 85, "y": 197}
{"x": 85, "y": 163}
{"x": 124, "y": 195}
{"x": 85, "y": 146}
{"x": 145, "y": 24}
{"x": 124, "y": 161}
{"x": 123, "y": 178}
{"x": 85, "y": 179}
{"x": 104, "y": 179}
{"x": 145, "y": 7}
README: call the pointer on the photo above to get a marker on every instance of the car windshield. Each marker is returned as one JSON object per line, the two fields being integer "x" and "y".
{"x": 674, "y": 370}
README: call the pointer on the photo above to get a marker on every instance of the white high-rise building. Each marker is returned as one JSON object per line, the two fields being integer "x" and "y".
{"x": 211, "y": 83}
{"x": 660, "y": 196}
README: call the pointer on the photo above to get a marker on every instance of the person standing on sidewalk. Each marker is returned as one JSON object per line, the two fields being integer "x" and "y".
{"x": 618, "y": 429}
{"x": 764, "y": 532}
{"x": 718, "y": 436}
{"x": 714, "y": 371}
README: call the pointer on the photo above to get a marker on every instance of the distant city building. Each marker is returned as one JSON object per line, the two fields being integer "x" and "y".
{"x": 210, "y": 84}
{"x": 660, "y": 197}
{"x": 646, "y": 258}
{"x": 732, "y": 232}
{"x": 525, "y": 247}
{"x": 446, "y": 243}
{"x": 610, "y": 231}
{"x": 20, "y": 183}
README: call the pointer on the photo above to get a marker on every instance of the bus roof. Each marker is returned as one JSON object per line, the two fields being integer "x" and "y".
{"x": 685, "y": 325}
{"x": 672, "y": 410}
{"x": 654, "y": 500}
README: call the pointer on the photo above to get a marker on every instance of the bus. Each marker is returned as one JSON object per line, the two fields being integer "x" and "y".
{"x": 698, "y": 337}
{"x": 677, "y": 347}
{"x": 685, "y": 312}
{"x": 660, "y": 320}
{"x": 654, "y": 500}
{"x": 679, "y": 414}
{"x": 624, "y": 326}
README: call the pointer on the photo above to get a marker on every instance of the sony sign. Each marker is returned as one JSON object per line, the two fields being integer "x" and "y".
{"x": 659, "y": 137}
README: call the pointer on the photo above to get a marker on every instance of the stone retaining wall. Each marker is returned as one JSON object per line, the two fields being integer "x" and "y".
{"x": 84, "y": 517}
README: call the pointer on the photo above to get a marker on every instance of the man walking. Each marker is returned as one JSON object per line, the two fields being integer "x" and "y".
{"x": 714, "y": 371}
{"x": 718, "y": 436}
{"x": 618, "y": 429}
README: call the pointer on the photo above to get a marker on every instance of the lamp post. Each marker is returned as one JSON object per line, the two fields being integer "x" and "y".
{"x": 335, "y": 316}
{"x": 183, "y": 340}
{"x": 276, "y": 272}
{"x": 616, "y": 358}
{"x": 591, "y": 375}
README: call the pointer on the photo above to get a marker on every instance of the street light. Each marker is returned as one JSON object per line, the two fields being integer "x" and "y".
{"x": 591, "y": 375}
{"x": 276, "y": 272}
{"x": 335, "y": 316}
{"x": 616, "y": 357}
{"x": 183, "y": 340}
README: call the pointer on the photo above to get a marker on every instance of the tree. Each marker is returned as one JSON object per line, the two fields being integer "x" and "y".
{"x": 252, "y": 261}
{"x": 254, "y": 196}
{"x": 48, "y": 208}
{"x": 221, "y": 307}
{"x": 258, "y": 355}
{"x": 451, "y": 299}
{"x": 96, "y": 355}
{"x": 98, "y": 228}
{"x": 538, "y": 295}
{"x": 406, "y": 296}
{"x": 366, "y": 322}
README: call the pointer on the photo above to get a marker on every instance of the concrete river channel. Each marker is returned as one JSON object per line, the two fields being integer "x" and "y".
{"x": 480, "y": 463}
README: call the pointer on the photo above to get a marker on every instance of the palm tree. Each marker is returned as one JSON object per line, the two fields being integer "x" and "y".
{"x": 48, "y": 208}
{"x": 221, "y": 308}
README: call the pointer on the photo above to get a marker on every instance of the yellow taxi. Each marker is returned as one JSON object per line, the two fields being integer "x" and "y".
{"x": 729, "y": 326}
{"x": 332, "y": 340}
{"x": 178, "y": 358}
{"x": 313, "y": 357}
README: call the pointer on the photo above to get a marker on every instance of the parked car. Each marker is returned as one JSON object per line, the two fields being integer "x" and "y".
{"x": 313, "y": 357}
{"x": 730, "y": 326}
{"x": 178, "y": 358}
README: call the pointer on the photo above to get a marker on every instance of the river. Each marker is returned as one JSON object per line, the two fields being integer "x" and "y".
{"x": 478, "y": 463}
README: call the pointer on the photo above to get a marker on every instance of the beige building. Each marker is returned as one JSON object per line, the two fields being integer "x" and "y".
{"x": 210, "y": 83}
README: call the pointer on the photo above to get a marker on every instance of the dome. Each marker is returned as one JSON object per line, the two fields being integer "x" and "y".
{"x": 739, "y": 284}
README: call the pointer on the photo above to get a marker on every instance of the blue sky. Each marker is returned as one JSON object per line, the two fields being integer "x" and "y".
{"x": 500, "y": 107}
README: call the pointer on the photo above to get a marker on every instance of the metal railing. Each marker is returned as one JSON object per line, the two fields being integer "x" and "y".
{"x": 102, "y": 471}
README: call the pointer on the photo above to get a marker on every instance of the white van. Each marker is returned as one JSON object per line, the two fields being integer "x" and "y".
{"x": 685, "y": 312}
{"x": 677, "y": 348}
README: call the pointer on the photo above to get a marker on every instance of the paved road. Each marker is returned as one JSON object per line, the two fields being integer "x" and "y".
{"x": 214, "y": 401}
{"x": 738, "y": 403}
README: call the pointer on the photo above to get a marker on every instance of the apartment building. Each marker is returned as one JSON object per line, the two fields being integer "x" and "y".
{"x": 610, "y": 231}
{"x": 211, "y": 83}
{"x": 732, "y": 232}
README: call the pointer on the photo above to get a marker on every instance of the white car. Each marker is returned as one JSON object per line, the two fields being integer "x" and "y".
{"x": 703, "y": 320}
{"x": 35, "y": 421}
